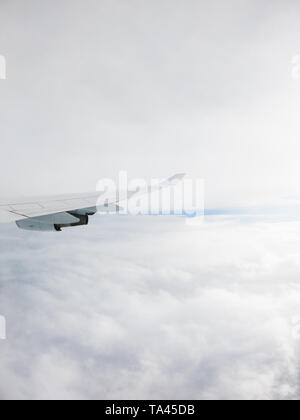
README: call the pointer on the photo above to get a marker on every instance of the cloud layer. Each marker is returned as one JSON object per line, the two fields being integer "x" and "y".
{"x": 148, "y": 308}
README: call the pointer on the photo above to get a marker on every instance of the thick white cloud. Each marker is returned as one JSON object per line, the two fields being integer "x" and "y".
{"x": 148, "y": 308}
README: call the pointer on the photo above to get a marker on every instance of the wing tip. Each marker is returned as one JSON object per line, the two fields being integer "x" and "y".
{"x": 176, "y": 178}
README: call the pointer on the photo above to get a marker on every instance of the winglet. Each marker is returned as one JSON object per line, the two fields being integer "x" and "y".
{"x": 176, "y": 178}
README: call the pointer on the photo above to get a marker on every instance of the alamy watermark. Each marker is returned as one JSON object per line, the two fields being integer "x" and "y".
{"x": 296, "y": 67}
{"x": 2, "y": 67}
{"x": 2, "y": 328}
{"x": 178, "y": 196}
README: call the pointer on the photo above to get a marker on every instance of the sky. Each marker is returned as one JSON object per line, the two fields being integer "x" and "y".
{"x": 155, "y": 88}
{"x": 148, "y": 307}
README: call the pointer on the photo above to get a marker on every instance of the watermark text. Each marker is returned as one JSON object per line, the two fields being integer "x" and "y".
{"x": 2, "y": 328}
{"x": 2, "y": 67}
{"x": 296, "y": 67}
{"x": 178, "y": 196}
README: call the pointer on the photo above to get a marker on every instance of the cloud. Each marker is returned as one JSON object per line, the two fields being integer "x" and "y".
{"x": 148, "y": 308}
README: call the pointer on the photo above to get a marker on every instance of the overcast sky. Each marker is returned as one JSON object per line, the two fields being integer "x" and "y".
{"x": 152, "y": 87}
{"x": 149, "y": 308}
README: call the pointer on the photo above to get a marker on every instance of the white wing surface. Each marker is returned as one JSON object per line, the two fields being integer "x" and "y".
{"x": 55, "y": 213}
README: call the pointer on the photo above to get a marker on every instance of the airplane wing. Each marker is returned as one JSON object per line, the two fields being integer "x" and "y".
{"x": 55, "y": 213}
